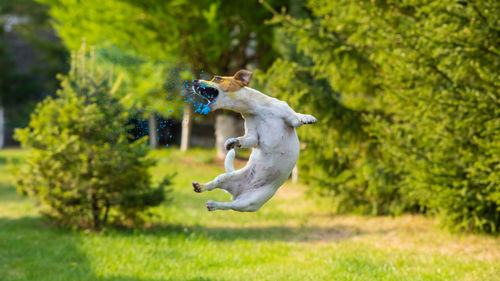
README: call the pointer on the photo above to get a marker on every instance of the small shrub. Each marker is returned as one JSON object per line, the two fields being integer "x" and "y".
{"x": 82, "y": 166}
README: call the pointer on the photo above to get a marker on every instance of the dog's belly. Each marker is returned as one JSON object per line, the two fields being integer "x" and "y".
{"x": 278, "y": 145}
{"x": 271, "y": 163}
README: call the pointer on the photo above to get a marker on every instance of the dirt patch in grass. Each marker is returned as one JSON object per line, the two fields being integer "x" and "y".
{"x": 413, "y": 233}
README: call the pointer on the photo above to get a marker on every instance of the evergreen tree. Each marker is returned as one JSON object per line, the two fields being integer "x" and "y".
{"x": 407, "y": 98}
{"x": 82, "y": 165}
{"x": 331, "y": 76}
{"x": 443, "y": 98}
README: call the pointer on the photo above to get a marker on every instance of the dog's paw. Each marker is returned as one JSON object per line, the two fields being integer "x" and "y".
{"x": 232, "y": 143}
{"x": 211, "y": 205}
{"x": 307, "y": 119}
{"x": 197, "y": 187}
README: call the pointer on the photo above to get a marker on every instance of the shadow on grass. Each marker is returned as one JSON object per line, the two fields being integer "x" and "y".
{"x": 3, "y": 160}
{"x": 32, "y": 250}
{"x": 334, "y": 233}
{"x": 8, "y": 193}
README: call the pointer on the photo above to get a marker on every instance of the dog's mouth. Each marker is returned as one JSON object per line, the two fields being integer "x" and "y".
{"x": 207, "y": 92}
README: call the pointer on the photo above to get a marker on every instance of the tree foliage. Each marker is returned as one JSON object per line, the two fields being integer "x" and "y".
{"x": 443, "y": 96}
{"x": 211, "y": 35}
{"x": 82, "y": 165}
{"x": 407, "y": 94}
{"x": 324, "y": 74}
{"x": 181, "y": 37}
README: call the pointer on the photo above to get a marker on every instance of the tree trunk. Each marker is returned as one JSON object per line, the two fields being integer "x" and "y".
{"x": 295, "y": 174}
{"x": 153, "y": 132}
{"x": 95, "y": 212}
{"x": 187, "y": 122}
{"x": 226, "y": 126}
{"x": 106, "y": 211}
{"x": 2, "y": 127}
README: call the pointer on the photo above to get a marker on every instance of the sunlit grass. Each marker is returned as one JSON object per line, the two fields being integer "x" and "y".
{"x": 293, "y": 237}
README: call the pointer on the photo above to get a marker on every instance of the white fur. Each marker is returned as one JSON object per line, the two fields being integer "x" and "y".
{"x": 270, "y": 132}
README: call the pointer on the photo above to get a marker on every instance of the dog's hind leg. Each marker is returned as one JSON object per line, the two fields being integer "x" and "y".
{"x": 247, "y": 202}
{"x": 222, "y": 181}
{"x": 211, "y": 185}
{"x": 240, "y": 205}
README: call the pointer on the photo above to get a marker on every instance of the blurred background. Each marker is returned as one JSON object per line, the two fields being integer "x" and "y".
{"x": 96, "y": 129}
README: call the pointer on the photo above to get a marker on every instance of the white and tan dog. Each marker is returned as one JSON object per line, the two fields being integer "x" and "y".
{"x": 269, "y": 129}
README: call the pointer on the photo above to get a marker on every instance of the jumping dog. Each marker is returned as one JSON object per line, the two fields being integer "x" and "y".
{"x": 270, "y": 132}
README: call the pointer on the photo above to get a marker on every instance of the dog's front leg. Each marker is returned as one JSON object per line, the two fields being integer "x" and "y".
{"x": 298, "y": 119}
{"x": 250, "y": 139}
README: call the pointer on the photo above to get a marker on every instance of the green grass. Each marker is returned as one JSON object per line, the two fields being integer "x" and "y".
{"x": 293, "y": 237}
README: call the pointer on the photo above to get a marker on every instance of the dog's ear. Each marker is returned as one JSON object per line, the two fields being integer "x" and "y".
{"x": 244, "y": 76}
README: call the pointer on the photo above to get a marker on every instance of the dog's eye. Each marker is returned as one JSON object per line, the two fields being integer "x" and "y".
{"x": 217, "y": 79}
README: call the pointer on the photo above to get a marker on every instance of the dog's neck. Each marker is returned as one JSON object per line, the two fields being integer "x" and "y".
{"x": 244, "y": 101}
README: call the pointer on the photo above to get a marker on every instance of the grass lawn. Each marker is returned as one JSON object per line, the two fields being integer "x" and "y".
{"x": 293, "y": 237}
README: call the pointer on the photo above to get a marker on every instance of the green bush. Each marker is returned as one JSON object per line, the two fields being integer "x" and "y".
{"x": 407, "y": 97}
{"x": 82, "y": 164}
{"x": 338, "y": 159}
{"x": 321, "y": 74}
{"x": 441, "y": 62}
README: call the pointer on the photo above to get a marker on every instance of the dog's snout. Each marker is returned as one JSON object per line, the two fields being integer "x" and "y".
{"x": 196, "y": 84}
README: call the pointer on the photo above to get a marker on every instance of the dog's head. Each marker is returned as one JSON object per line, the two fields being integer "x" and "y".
{"x": 223, "y": 91}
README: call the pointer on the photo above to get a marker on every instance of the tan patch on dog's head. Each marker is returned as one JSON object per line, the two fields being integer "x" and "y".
{"x": 235, "y": 83}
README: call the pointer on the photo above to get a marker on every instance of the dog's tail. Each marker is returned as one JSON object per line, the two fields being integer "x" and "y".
{"x": 229, "y": 162}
